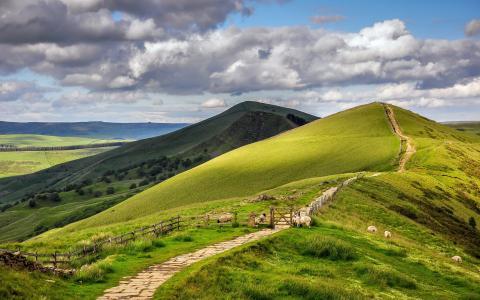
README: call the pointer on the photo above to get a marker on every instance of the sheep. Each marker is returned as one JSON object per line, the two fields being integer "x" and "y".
{"x": 457, "y": 259}
{"x": 301, "y": 219}
{"x": 261, "y": 219}
{"x": 305, "y": 220}
{"x": 372, "y": 229}
{"x": 387, "y": 234}
{"x": 225, "y": 218}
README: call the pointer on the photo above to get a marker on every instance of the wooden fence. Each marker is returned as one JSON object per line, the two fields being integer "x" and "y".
{"x": 57, "y": 259}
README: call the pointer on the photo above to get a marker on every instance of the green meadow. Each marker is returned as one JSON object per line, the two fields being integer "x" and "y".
{"x": 19, "y": 163}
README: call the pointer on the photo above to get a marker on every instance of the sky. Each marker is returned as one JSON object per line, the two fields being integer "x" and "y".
{"x": 184, "y": 61}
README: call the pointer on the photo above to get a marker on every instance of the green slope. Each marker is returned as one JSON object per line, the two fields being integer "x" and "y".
{"x": 144, "y": 162}
{"x": 465, "y": 126}
{"x": 354, "y": 140}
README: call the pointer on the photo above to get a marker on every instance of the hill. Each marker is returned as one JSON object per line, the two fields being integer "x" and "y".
{"x": 428, "y": 208}
{"x": 90, "y": 185}
{"x": 98, "y": 130}
{"x": 466, "y": 126}
{"x": 354, "y": 140}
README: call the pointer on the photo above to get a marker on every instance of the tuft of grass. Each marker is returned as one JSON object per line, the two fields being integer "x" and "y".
{"x": 305, "y": 290}
{"x": 183, "y": 238}
{"x": 95, "y": 272}
{"x": 329, "y": 248}
{"x": 385, "y": 277}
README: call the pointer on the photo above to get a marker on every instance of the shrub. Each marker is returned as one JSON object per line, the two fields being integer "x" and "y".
{"x": 141, "y": 245}
{"x": 110, "y": 190}
{"x": 143, "y": 182}
{"x": 158, "y": 244}
{"x": 133, "y": 186}
{"x": 183, "y": 238}
{"x": 472, "y": 222}
{"x": 32, "y": 203}
{"x": 323, "y": 247}
{"x": 97, "y": 194}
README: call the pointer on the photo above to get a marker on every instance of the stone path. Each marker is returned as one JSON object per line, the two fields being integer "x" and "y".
{"x": 398, "y": 131}
{"x": 144, "y": 284}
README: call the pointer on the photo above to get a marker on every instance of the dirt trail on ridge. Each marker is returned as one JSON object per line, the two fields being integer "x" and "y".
{"x": 404, "y": 156}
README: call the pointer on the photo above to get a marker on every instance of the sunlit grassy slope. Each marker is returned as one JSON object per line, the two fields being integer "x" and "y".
{"x": 428, "y": 209}
{"x": 353, "y": 140}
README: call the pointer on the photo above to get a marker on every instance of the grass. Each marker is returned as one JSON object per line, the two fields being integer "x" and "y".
{"x": 278, "y": 268}
{"x": 26, "y": 162}
{"x": 19, "y": 163}
{"x": 320, "y": 148}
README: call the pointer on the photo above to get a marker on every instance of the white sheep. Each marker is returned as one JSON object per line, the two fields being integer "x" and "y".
{"x": 372, "y": 229}
{"x": 305, "y": 221}
{"x": 296, "y": 219}
{"x": 261, "y": 219}
{"x": 457, "y": 259}
{"x": 387, "y": 234}
{"x": 225, "y": 218}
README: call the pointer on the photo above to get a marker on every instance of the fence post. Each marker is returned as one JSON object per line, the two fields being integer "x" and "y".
{"x": 291, "y": 216}
{"x": 133, "y": 235}
{"x": 55, "y": 259}
{"x": 272, "y": 217}
{"x": 178, "y": 222}
{"x": 36, "y": 256}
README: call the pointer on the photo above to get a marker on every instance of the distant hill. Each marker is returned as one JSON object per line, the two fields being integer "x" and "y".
{"x": 467, "y": 126}
{"x": 141, "y": 163}
{"x": 104, "y": 130}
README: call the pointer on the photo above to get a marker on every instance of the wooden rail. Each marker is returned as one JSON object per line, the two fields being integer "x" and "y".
{"x": 56, "y": 259}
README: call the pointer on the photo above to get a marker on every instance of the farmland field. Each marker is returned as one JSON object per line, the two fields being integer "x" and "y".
{"x": 19, "y": 163}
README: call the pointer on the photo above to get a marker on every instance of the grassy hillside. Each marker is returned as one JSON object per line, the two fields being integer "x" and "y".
{"x": 98, "y": 130}
{"x": 354, "y": 140}
{"x": 428, "y": 209}
{"x": 93, "y": 184}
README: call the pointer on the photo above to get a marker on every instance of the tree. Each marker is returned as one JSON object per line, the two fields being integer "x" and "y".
{"x": 110, "y": 190}
{"x": 472, "y": 222}
{"x": 80, "y": 192}
{"x": 32, "y": 203}
{"x": 55, "y": 197}
{"x": 133, "y": 186}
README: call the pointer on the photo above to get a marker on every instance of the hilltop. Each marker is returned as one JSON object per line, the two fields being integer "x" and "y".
{"x": 88, "y": 186}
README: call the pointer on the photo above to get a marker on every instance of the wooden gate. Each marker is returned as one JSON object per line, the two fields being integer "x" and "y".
{"x": 281, "y": 216}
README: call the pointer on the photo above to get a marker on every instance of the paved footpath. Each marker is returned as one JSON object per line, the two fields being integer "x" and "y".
{"x": 144, "y": 284}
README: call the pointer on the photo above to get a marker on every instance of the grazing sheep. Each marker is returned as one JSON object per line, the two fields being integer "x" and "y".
{"x": 305, "y": 221}
{"x": 372, "y": 229}
{"x": 225, "y": 218}
{"x": 457, "y": 259}
{"x": 387, "y": 234}
{"x": 296, "y": 219}
{"x": 261, "y": 219}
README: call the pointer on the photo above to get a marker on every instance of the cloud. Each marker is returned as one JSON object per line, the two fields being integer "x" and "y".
{"x": 13, "y": 90}
{"x": 326, "y": 19}
{"x": 214, "y": 103}
{"x": 472, "y": 28}
{"x": 235, "y": 61}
